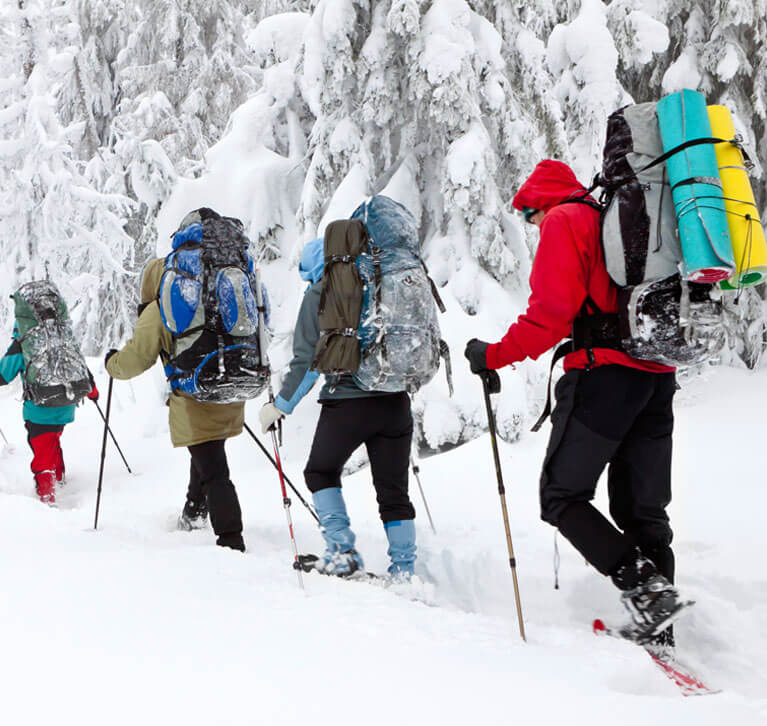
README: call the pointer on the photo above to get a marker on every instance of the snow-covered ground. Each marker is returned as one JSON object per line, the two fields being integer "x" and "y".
{"x": 139, "y": 624}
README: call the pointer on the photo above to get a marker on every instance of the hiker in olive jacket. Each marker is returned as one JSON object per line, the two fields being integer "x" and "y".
{"x": 350, "y": 417}
{"x": 202, "y": 427}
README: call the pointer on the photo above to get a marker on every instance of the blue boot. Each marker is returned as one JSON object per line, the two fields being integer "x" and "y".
{"x": 340, "y": 557}
{"x": 401, "y": 536}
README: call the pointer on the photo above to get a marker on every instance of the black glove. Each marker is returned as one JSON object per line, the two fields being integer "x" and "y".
{"x": 492, "y": 380}
{"x": 476, "y": 354}
{"x": 109, "y": 354}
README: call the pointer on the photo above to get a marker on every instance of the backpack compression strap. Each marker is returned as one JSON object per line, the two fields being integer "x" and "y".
{"x": 736, "y": 140}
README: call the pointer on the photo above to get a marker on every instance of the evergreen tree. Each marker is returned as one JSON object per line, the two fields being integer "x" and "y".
{"x": 52, "y": 217}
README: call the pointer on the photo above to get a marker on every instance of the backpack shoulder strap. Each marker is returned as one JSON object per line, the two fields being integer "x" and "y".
{"x": 585, "y": 197}
{"x": 434, "y": 292}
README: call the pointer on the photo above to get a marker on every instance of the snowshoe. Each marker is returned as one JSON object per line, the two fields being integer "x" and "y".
{"x": 653, "y": 606}
{"x": 681, "y": 674}
{"x": 337, "y": 564}
{"x": 651, "y": 600}
{"x": 663, "y": 645}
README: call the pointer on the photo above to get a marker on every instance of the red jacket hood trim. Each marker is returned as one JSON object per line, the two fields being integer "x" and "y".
{"x": 550, "y": 184}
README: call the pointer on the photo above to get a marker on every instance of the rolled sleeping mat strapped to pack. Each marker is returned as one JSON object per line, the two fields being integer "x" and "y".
{"x": 746, "y": 232}
{"x": 696, "y": 188}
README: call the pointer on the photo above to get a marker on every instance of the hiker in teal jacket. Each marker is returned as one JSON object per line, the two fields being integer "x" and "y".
{"x": 350, "y": 417}
{"x": 44, "y": 426}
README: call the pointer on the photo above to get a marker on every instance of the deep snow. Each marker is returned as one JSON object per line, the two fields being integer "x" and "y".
{"x": 140, "y": 624}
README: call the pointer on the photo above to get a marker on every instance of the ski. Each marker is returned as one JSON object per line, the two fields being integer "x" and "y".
{"x": 681, "y": 675}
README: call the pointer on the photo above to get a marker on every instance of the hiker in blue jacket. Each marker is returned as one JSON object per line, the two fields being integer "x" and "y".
{"x": 350, "y": 417}
{"x": 44, "y": 425}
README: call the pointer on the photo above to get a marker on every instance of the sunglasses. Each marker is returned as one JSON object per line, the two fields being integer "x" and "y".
{"x": 529, "y": 213}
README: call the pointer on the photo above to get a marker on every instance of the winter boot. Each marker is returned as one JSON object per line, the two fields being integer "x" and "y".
{"x": 45, "y": 485}
{"x": 652, "y": 601}
{"x": 194, "y": 515}
{"x": 340, "y": 557}
{"x": 232, "y": 540}
{"x": 401, "y": 536}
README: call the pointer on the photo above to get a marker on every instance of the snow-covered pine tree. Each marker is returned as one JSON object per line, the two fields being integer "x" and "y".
{"x": 53, "y": 219}
{"x": 583, "y": 58}
{"x": 413, "y": 99}
{"x": 181, "y": 73}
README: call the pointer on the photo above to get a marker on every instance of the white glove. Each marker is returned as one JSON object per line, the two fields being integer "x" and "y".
{"x": 268, "y": 416}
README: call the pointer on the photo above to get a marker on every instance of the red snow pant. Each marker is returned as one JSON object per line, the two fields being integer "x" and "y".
{"x": 47, "y": 458}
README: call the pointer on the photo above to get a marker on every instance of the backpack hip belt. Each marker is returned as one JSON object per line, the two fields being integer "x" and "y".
{"x": 591, "y": 329}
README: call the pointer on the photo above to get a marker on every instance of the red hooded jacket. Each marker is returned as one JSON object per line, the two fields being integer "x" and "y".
{"x": 568, "y": 266}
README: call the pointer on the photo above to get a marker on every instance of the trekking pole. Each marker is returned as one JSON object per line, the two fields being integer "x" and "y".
{"x": 417, "y": 469}
{"x": 274, "y": 464}
{"x": 502, "y": 492}
{"x": 286, "y": 505}
{"x": 112, "y": 435}
{"x": 263, "y": 339}
{"x": 8, "y": 446}
{"x": 103, "y": 452}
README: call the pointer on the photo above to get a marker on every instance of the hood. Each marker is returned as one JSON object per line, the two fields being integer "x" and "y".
{"x": 312, "y": 260}
{"x": 550, "y": 184}
{"x": 150, "y": 280}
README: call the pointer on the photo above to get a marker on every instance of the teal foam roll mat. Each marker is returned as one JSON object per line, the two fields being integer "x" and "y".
{"x": 703, "y": 229}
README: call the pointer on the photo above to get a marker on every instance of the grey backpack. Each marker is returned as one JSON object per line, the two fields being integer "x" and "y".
{"x": 378, "y": 309}
{"x": 661, "y": 317}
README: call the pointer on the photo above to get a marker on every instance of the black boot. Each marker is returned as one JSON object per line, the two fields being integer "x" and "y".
{"x": 233, "y": 540}
{"x": 194, "y": 515}
{"x": 652, "y": 601}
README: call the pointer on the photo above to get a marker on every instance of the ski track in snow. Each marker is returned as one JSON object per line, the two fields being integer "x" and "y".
{"x": 139, "y": 623}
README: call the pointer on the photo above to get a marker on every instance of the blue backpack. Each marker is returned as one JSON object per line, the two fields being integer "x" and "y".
{"x": 208, "y": 301}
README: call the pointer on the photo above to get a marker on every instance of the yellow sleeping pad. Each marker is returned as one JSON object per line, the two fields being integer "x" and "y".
{"x": 746, "y": 232}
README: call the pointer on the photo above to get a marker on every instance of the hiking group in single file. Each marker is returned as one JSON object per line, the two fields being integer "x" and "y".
{"x": 633, "y": 279}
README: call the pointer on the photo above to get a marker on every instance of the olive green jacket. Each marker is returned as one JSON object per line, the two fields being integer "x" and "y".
{"x": 191, "y": 422}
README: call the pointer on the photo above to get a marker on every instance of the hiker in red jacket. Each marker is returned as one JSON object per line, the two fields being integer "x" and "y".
{"x": 611, "y": 408}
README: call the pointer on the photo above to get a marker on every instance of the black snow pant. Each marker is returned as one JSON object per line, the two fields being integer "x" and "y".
{"x": 384, "y": 424}
{"x": 209, "y": 478}
{"x": 622, "y": 417}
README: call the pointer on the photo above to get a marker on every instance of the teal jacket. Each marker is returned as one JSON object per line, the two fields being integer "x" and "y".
{"x": 11, "y": 364}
